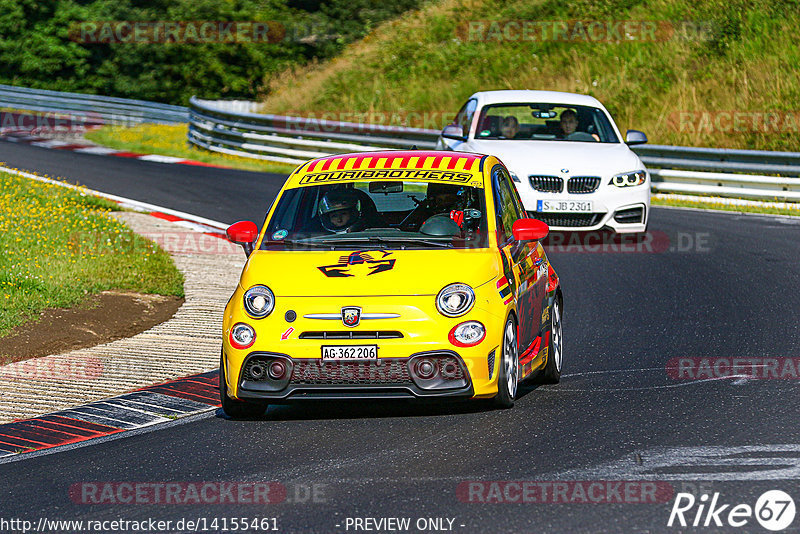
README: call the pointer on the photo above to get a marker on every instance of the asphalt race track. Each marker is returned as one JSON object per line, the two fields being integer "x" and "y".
{"x": 725, "y": 287}
{"x": 225, "y": 195}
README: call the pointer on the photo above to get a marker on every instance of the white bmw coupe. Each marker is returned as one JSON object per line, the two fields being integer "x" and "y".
{"x": 565, "y": 154}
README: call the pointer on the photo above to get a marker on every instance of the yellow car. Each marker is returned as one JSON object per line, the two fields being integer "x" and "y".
{"x": 399, "y": 275}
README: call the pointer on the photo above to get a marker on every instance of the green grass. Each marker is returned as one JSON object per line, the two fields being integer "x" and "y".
{"x": 708, "y": 58}
{"x": 711, "y": 205}
{"x": 743, "y": 59}
{"x": 60, "y": 245}
{"x": 170, "y": 140}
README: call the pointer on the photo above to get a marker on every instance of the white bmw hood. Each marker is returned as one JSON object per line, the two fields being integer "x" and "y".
{"x": 550, "y": 157}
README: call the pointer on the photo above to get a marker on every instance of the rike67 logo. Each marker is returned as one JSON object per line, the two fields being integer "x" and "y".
{"x": 774, "y": 510}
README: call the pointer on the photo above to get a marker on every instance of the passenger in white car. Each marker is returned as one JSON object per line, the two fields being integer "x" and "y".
{"x": 510, "y": 127}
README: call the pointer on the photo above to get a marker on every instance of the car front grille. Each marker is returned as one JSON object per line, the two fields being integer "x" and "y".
{"x": 352, "y": 334}
{"x": 583, "y": 184}
{"x": 570, "y": 220}
{"x": 547, "y": 184}
{"x": 386, "y": 371}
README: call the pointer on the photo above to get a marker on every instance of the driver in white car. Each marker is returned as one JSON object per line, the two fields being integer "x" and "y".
{"x": 568, "y": 124}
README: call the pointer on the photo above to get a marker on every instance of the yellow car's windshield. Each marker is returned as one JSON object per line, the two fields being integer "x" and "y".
{"x": 383, "y": 214}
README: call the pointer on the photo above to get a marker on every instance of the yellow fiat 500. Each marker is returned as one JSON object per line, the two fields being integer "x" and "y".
{"x": 400, "y": 274}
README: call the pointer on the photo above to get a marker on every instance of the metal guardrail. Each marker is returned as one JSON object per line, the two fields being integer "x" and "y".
{"x": 750, "y": 174}
{"x": 213, "y": 126}
{"x": 92, "y": 107}
{"x": 224, "y": 127}
{"x": 233, "y": 127}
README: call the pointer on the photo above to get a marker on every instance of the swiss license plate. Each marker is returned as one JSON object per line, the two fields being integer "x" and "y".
{"x": 564, "y": 205}
{"x": 349, "y": 353}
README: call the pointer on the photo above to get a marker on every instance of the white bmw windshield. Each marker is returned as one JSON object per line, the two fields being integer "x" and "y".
{"x": 544, "y": 122}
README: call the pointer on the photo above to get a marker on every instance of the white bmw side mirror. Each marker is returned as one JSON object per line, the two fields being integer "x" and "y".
{"x": 635, "y": 137}
{"x": 454, "y": 131}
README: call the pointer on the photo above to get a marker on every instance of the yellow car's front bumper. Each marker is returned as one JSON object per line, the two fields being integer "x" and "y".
{"x": 416, "y": 330}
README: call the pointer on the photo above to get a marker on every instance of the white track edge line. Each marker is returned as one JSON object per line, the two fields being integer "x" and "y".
{"x": 126, "y": 202}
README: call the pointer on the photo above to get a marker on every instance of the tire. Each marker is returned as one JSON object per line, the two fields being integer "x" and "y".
{"x": 508, "y": 377}
{"x": 555, "y": 354}
{"x": 237, "y": 409}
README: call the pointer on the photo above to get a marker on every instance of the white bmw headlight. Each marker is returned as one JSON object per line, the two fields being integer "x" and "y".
{"x": 259, "y": 302}
{"x": 628, "y": 179}
{"x": 455, "y": 300}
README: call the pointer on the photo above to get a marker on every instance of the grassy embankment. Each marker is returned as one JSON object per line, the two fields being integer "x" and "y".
{"x": 707, "y": 62}
{"x": 682, "y": 88}
{"x": 711, "y": 204}
{"x": 170, "y": 140}
{"x": 738, "y": 56}
{"x": 59, "y": 245}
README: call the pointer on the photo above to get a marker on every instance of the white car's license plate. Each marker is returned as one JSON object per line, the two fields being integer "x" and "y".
{"x": 347, "y": 353}
{"x": 564, "y": 205}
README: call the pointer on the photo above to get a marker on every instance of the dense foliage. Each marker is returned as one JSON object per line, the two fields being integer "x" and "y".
{"x": 719, "y": 73}
{"x": 41, "y": 44}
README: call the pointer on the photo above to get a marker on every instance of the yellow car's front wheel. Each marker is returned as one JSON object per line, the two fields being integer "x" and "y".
{"x": 552, "y": 370}
{"x": 508, "y": 378}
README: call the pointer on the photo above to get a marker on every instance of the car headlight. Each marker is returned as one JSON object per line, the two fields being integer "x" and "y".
{"x": 467, "y": 334}
{"x": 628, "y": 179}
{"x": 242, "y": 336}
{"x": 259, "y": 302}
{"x": 515, "y": 178}
{"x": 455, "y": 300}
